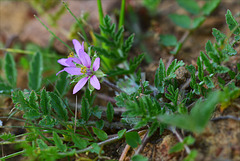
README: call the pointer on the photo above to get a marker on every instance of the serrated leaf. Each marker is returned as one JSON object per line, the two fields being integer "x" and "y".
{"x": 174, "y": 66}
{"x": 176, "y": 148}
{"x": 59, "y": 143}
{"x": 121, "y": 133}
{"x": 200, "y": 68}
{"x": 79, "y": 142}
{"x": 57, "y": 105}
{"x": 62, "y": 84}
{"x": 104, "y": 39}
{"x": 133, "y": 139}
{"x": 47, "y": 121}
{"x": 135, "y": 63}
{"x": 33, "y": 100}
{"x": 153, "y": 128}
{"x": 228, "y": 49}
{"x": 35, "y": 74}
{"x": 100, "y": 133}
{"x": 220, "y": 37}
{"x": 168, "y": 40}
{"x": 42, "y": 145}
{"x": 232, "y": 23}
{"x": 210, "y": 6}
{"x": 189, "y": 5}
{"x": 110, "y": 112}
{"x": 181, "y": 20}
{"x": 208, "y": 81}
{"x": 85, "y": 109}
{"x": 206, "y": 62}
{"x": 10, "y": 70}
{"x": 128, "y": 43}
{"x": 221, "y": 69}
{"x": 45, "y": 102}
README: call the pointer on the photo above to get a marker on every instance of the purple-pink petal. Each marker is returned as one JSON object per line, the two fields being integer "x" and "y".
{"x": 63, "y": 62}
{"x": 73, "y": 70}
{"x": 94, "y": 82}
{"x": 85, "y": 59}
{"x": 77, "y": 46}
{"x": 70, "y": 61}
{"x": 96, "y": 64}
{"x": 80, "y": 84}
{"x": 59, "y": 72}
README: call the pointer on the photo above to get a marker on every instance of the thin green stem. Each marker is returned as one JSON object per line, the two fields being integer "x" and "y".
{"x": 53, "y": 34}
{"x": 122, "y": 13}
{"x": 100, "y": 12}
{"x": 79, "y": 23}
{"x": 12, "y": 155}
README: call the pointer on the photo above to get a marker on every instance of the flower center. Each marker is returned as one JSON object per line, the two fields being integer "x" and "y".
{"x": 83, "y": 70}
{"x": 71, "y": 55}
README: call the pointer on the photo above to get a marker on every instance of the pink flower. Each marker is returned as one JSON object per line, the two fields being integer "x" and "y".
{"x": 82, "y": 67}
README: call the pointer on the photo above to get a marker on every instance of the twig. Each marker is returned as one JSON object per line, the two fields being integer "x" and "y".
{"x": 114, "y": 87}
{"x": 144, "y": 142}
{"x": 173, "y": 129}
{"x": 226, "y": 117}
{"x": 124, "y": 153}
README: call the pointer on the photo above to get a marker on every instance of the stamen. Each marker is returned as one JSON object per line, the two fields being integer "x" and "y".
{"x": 83, "y": 70}
{"x": 71, "y": 55}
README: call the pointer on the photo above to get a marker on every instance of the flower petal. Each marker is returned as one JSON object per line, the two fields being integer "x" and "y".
{"x": 70, "y": 61}
{"x": 73, "y": 70}
{"x": 85, "y": 59}
{"x": 60, "y": 72}
{"x": 94, "y": 82}
{"x": 63, "y": 62}
{"x": 96, "y": 64}
{"x": 77, "y": 46}
{"x": 80, "y": 84}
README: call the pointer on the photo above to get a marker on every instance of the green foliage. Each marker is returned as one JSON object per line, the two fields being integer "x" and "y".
{"x": 100, "y": 133}
{"x": 151, "y": 5}
{"x": 59, "y": 143}
{"x": 168, "y": 40}
{"x": 181, "y": 20}
{"x": 232, "y": 23}
{"x": 7, "y": 137}
{"x": 139, "y": 158}
{"x": 35, "y": 74}
{"x": 5, "y": 89}
{"x": 133, "y": 139}
{"x": 62, "y": 84}
{"x": 121, "y": 133}
{"x": 79, "y": 142}
{"x": 110, "y": 112}
{"x": 209, "y": 6}
{"x": 180, "y": 146}
{"x": 189, "y": 5}
{"x": 85, "y": 109}
{"x": 10, "y": 70}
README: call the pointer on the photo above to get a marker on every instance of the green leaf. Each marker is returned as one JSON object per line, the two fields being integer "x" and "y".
{"x": 5, "y": 89}
{"x": 35, "y": 74}
{"x": 200, "y": 68}
{"x": 189, "y": 5}
{"x": 121, "y": 133}
{"x": 206, "y": 62}
{"x": 198, "y": 117}
{"x": 42, "y": 145}
{"x": 10, "y": 70}
{"x": 228, "y": 49}
{"x": 58, "y": 106}
{"x": 211, "y": 52}
{"x": 181, "y": 20}
{"x": 153, "y": 128}
{"x": 95, "y": 148}
{"x": 232, "y": 23}
{"x": 208, "y": 81}
{"x": 100, "y": 124}
{"x": 79, "y": 142}
{"x": 220, "y": 37}
{"x": 210, "y": 6}
{"x": 85, "y": 109}
{"x": 139, "y": 158}
{"x": 176, "y": 148}
{"x": 59, "y": 143}
{"x": 221, "y": 69}
{"x": 110, "y": 112}
{"x": 168, "y": 40}
{"x": 133, "y": 139}
{"x": 189, "y": 140}
{"x": 62, "y": 84}
{"x": 174, "y": 66}
{"x": 8, "y": 137}
{"x": 160, "y": 74}
{"x": 128, "y": 43}
{"x": 45, "y": 102}
{"x": 100, "y": 134}
{"x": 192, "y": 156}
{"x": 197, "y": 22}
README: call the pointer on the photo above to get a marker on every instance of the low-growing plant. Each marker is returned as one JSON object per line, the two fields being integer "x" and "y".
{"x": 54, "y": 129}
